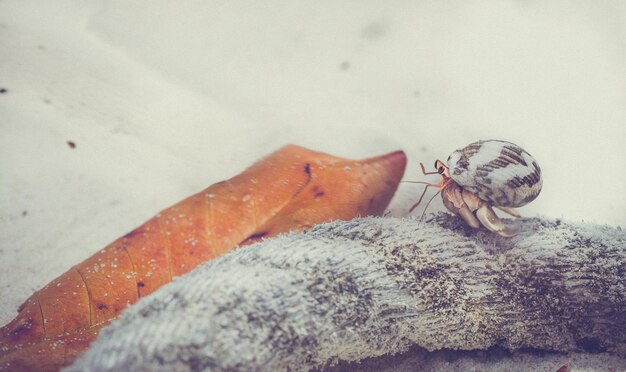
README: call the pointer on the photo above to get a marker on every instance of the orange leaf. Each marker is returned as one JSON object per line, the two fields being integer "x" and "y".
{"x": 292, "y": 189}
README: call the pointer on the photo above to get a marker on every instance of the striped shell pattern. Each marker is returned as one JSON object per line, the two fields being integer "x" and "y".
{"x": 498, "y": 172}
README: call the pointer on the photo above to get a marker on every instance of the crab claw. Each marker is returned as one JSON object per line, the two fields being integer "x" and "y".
{"x": 468, "y": 217}
{"x": 473, "y": 202}
{"x": 493, "y": 223}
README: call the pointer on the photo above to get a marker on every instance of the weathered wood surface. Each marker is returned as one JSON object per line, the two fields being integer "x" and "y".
{"x": 375, "y": 286}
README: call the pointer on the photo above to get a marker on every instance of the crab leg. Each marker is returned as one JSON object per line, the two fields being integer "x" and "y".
{"x": 493, "y": 223}
{"x": 455, "y": 202}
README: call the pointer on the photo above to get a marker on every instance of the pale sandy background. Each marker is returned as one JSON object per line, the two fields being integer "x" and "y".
{"x": 164, "y": 98}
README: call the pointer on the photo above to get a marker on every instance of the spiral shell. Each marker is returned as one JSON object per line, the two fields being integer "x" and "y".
{"x": 498, "y": 172}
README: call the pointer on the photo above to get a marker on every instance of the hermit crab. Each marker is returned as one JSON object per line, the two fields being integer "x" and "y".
{"x": 484, "y": 175}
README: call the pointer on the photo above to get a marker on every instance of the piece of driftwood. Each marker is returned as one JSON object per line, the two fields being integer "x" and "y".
{"x": 375, "y": 286}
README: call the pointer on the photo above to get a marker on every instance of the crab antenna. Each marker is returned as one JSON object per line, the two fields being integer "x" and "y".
{"x": 431, "y": 199}
{"x": 422, "y": 183}
{"x": 420, "y": 199}
{"x": 427, "y": 173}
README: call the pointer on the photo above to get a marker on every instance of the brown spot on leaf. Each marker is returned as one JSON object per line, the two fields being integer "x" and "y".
{"x": 102, "y": 307}
{"x": 307, "y": 170}
{"x": 317, "y": 192}
{"x": 132, "y": 233}
{"x": 19, "y": 330}
{"x": 254, "y": 238}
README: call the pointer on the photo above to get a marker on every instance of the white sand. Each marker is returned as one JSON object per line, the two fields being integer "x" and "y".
{"x": 163, "y": 99}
